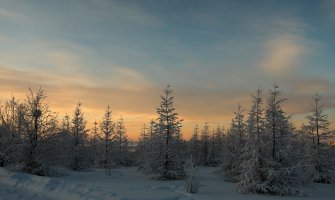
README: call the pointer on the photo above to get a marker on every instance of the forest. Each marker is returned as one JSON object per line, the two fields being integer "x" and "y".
{"x": 261, "y": 152}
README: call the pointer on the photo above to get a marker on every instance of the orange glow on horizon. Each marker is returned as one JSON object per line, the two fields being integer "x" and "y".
{"x": 134, "y": 120}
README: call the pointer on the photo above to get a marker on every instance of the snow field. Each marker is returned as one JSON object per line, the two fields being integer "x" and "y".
{"x": 128, "y": 184}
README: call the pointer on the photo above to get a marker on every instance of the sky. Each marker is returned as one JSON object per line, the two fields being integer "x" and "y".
{"x": 214, "y": 54}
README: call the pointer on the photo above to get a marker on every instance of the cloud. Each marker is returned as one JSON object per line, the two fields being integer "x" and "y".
{"x": 128, "y": 79}
{"x": 282, "y": 54}
{"x": 309, "y": 85}
{"x": 121, "y": 10}
{"x": 41, "y": 53}
{"x": 330, "y": 8}
{"x": 7, "y": 14}
{"x": 300, "y": 89}
{"x": 136, "y": 106}
{"x": 99, "y": 54}
{"x": 63, "y": 59}
{"x": 194, "y": 104}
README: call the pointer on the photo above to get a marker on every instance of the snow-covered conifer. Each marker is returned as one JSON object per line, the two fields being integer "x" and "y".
{"x": 79, "y": 137}
{"x": 194, "y": 146}
{"x": 205, "y": 144}
{"x": 284, "y": 173}
{"x": 192, "y": 182}
{"x": 107, "y": 129}
{"x": 251, "y": 166}
{"x": 170, "y": 162}
{"x": 121, "y": 142}
{"x": 237, "y": 134}
{"x": 322, "y": 154}
{"x": 95, "y": 141}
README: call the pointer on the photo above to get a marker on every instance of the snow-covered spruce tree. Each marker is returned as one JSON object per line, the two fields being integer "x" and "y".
{"x": 79, "y": 138}
{"x": 194, "y": 146}
{"x": 322, "y": 155}
{"x": 121, "y": 143}
{"x": 276, "y": 121}
{"x": 39, "y": 123}
{"x": 155, "y": 151}
{"x": 192, "y": 182}
{"x": 303, "y": 148}
{"x": 149, "y": 149}
{"x": 235, "y": 140}
{"x": 238, "y": 128}
{"x": 228, "y": 156}
{"x": 215, "y": 148}
{"x": 205, "y": 142}
{"x": 303, "y": 142}
{"x": 95, "y": 141}
{"x": 62, "y": 143}
{"x": 142, "y": 150}
{"x": 284, "y": 173}
{"x": 170, "y": 161}
{"x": 107, "y": 129}
{"x": 218, "y": 145}
{"x": 211, "y": 152}
{"x": 251, "y": 167}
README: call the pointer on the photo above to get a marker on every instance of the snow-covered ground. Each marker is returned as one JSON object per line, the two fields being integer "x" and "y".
{"x": 127, "y": 184}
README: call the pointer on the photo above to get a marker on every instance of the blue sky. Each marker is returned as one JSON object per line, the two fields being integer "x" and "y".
{"x": 213, "y": 53}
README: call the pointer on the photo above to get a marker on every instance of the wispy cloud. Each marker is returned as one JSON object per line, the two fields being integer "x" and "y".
{"x": 282, "y": 54}
{"x": 136, "y": 106}
{"x": 7, "y": 14}
{"x": 123, "y": 52}
{"x": 194, "y": 104}
{"x": 128, "y": 79}
{"x": 309, "y": 85}
{"x": 132, "y": 12}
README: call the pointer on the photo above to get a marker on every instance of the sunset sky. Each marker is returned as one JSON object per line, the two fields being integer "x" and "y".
{"x": 214, "y": 54}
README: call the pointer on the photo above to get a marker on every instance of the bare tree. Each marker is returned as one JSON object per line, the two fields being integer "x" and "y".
{"x": 39, "y": 123}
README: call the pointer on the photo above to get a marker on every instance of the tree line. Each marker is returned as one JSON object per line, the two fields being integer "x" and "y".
{"x": 261, "y": 151}
{"x": 34, "y": 139}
